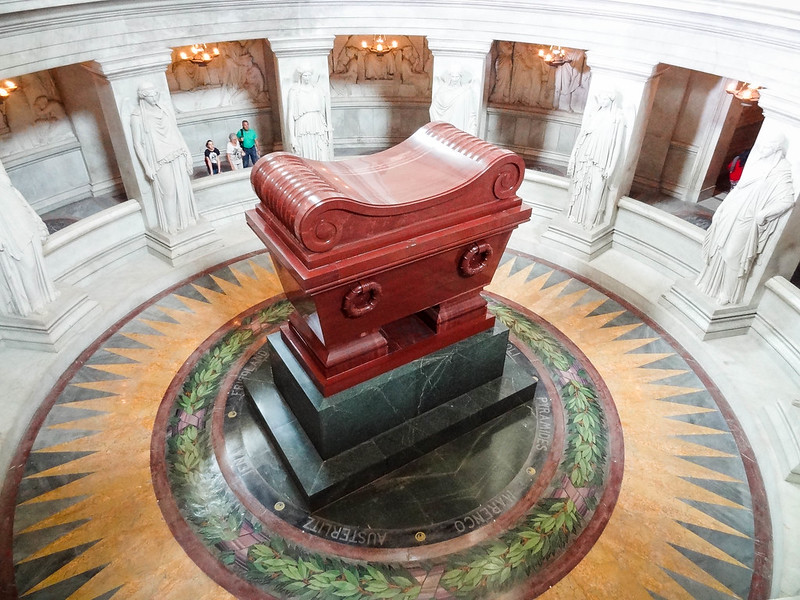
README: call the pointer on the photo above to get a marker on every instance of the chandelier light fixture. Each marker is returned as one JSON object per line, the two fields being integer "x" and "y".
{"x": 746, "y": 93}
{"x": 555, "y": 57}
{"x": 200, "y": 54}
{"x": 7, "y": 88}
{"x": 379, "y": 45}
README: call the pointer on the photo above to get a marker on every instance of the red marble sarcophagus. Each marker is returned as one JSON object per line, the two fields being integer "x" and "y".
{"x": 385, "y": 256}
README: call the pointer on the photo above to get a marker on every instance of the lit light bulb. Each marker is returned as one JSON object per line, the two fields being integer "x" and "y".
{"x": 206, "y": 56}
{"x": 183, "y": 56}
{"x": 216, "y": 51}
{"x": 394, "y": 43}
{"x": 3, "y": 93}
{"x": 379, "y": 47}
{"x": 541, "y": 53}
{"x": 363, "y": 43}
{"x": 10, "y": 85}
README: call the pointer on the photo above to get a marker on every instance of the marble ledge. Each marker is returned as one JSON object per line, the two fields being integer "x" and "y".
{"x": 785, "y": 291}
{"x": 73, "y": 232}
{"x": 556, "y": 181}
{"x": 27, "y": 157}
{"x": 663, "y": 218}
{"x": 222, "y": 113}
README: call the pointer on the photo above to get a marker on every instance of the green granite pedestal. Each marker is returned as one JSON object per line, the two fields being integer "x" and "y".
{"x": 335, "y": 445}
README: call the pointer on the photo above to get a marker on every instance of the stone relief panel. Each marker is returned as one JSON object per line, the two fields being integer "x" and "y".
{"x": 235, "y": 78}
{"x": 402, "y": 72}
{"x": 33, "y": 117}
{"x": 520, "y": 78}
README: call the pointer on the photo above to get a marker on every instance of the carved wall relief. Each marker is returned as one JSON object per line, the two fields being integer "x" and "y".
{"x": 401, "y": 72}
{"x": 234, "y": 78}
{"x": 34, "y": 116}
{"x": 519, "y": 77}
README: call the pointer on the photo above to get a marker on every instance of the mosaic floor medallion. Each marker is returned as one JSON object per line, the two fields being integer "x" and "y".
{"x": 148, "y": 473}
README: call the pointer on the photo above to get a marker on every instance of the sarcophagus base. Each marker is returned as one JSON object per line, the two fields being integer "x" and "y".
{"x": 439, "y": 396}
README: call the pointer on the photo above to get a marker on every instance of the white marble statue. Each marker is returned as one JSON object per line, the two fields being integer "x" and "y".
{"x": 25, "y": 287}
{"x": 166, "y": 160}
{"x": 308, "y": 126}
{"x": 745, "y": 221}
{"x": 593, "y": 161}
{"x": 454, "y": 102}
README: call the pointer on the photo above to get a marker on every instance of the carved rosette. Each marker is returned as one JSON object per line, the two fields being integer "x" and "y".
{"x": 475, "y": 259}
{"x": 361, "y": 299}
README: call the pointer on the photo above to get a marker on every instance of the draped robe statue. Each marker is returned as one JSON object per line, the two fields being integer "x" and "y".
{"x": 593, "y": 160}
{"x": 25, "y": 287}
{"x": 453, "y": 102}
{"x": 166, "y": 160}
{"x": 744, "y": 222}
{"x": 309, "y": 120}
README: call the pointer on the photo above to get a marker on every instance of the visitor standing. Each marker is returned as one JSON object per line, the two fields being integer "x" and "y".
{"x": 249, "y": 142}
{"x": 234, "y": 152}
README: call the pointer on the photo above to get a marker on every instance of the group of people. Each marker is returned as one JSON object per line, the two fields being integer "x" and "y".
{"x": 242, "y": 151}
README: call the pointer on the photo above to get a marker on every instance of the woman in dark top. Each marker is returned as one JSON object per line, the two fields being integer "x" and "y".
{"x": 212, "y": 159}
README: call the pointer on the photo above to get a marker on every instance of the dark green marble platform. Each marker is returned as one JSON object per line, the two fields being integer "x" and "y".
{"x": 322, "y": 481}
{"x": 342, "y": 421}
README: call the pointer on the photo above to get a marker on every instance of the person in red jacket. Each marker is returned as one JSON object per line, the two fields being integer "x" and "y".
{"x": 736, "y": 167}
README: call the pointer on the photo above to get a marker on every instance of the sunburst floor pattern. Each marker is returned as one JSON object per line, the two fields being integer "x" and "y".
{"x": 89, "y": 523}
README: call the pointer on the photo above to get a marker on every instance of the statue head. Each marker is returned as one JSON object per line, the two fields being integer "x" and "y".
{"x": 454, "y": 76}
{"x": 148, "y": 92}
{"x": 304, "y": 74}
{"x": 772, "y": 143}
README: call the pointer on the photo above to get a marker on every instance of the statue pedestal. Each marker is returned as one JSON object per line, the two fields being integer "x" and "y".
{"x": 185, "y": 246}
{"x": 707, "y": 318}
{"x": 48, "y": 331}
{"x": 334, "y": 445}
{"x": 587, "y": 243}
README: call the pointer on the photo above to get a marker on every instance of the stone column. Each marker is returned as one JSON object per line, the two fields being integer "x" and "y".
{"x": 458, "y": 95}
{"x": 293, "y": 56}
{"x": 117, "y": 81}
{"x": 620, "y": 98}
{"x": 709, "y": 316}
{"x": 34, "y": 313}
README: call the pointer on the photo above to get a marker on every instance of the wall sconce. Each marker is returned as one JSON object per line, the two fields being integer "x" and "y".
{"x": 379, "y": 45}
{"x": 200, "y": 55}
{"x": 7, "y": 88}
{"x": 555, "y": 57}
{"x": 746, "y": 93}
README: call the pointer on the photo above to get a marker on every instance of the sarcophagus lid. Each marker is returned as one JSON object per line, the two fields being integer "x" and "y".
{"x": 439, "y": 178}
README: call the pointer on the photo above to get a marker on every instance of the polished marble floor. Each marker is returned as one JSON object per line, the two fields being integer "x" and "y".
{"x": 148, "y": 475}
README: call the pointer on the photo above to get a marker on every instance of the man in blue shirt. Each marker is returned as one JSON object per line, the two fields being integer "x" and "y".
{"x": 249, "y": 142}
